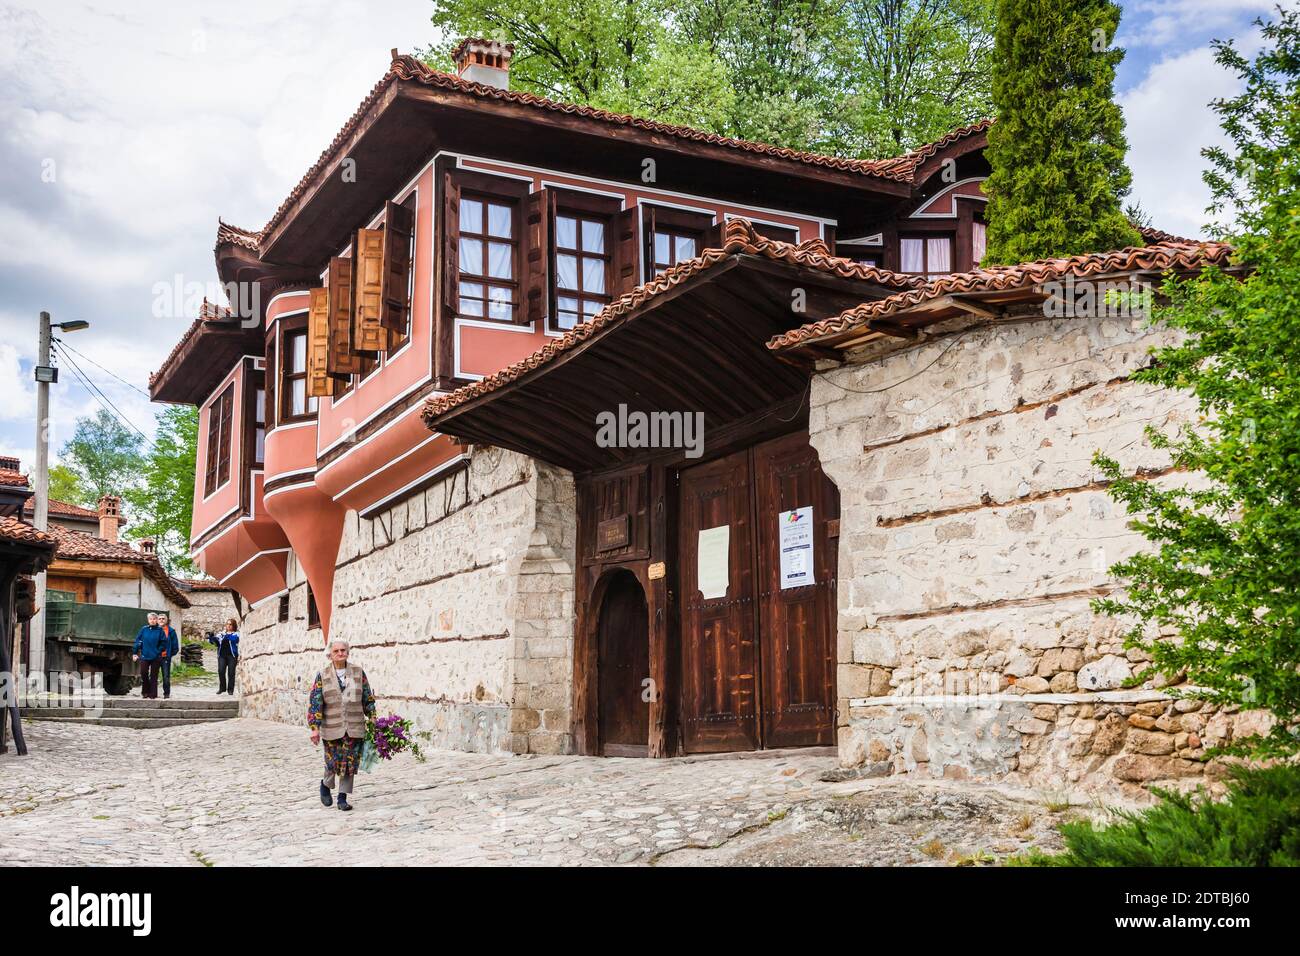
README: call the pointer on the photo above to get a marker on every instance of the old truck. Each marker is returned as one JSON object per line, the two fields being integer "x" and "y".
{"x": 92, "y": 638}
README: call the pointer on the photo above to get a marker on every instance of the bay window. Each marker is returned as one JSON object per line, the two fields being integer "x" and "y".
{"x": 217, "y": 471}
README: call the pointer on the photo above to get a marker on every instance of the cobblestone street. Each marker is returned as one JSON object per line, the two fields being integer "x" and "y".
{"x": 243, "y": 792}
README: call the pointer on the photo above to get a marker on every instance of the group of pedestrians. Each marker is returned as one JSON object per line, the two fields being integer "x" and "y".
{"x": 156, "y": 645}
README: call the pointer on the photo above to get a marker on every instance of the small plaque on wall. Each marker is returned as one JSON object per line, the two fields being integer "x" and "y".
{"x": 656, "y": 571}
{"x": 612, "y": 533}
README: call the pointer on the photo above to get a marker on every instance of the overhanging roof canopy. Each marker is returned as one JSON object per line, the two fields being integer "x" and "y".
{"x": 690, "y": 340}
{"x": 203, "y": 356}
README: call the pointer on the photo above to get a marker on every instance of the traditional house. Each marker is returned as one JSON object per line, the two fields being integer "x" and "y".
{"x": 596, "y": 434}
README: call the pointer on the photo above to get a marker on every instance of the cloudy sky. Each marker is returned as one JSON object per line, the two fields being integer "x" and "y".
{"x": 123, "y": 135}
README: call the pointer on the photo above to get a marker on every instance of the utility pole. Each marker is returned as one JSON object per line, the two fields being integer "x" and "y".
{"x": 44, "y": 375}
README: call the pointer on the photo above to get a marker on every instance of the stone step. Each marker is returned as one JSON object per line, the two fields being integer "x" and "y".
{"x": 132, "y": 713}
{"x": 180, "y": 703}
{"x": 135, "y": 723}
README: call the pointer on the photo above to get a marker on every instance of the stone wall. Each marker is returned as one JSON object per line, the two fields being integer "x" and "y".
{"x": 208, "y": 611}
{"x": 975, "y": 533}
{"x": 458, "y": 602}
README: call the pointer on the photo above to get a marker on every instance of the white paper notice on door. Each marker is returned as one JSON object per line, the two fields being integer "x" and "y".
{"x": 713, "y": 558}
{"x": 796, "y": 541}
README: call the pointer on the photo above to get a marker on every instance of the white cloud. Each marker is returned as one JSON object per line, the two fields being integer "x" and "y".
{"x": 1168, "y": 123}
{"x": 1170, "y": 25}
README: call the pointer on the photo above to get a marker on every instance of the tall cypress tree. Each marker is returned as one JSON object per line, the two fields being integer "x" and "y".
{"x": 1057, "y": 148}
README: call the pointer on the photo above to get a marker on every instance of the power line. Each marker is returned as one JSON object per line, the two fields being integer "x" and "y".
{"x": 103, "y": 399}
{"x": 65, "y": 345}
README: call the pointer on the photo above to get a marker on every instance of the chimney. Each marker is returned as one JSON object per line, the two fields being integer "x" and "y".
{"x": 484, "y": 61}
{"x": 9, "y": 463}
{"x": 110, "y": 517}
{"x": 148, "y": 546}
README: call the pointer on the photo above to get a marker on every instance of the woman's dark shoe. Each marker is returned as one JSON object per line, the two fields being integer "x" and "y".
{"x": 325, "y": 797}
{"x": 343, "y": 802}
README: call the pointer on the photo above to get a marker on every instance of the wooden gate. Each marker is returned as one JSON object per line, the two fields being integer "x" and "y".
{"x": 757, "y": 565}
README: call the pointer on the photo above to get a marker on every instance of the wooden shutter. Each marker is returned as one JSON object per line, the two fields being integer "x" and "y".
{"x": 368, "y": 336}
{"x": 272, "y": 374}
{"x": 226, "y": 404}
{"x": 342, "y": 359}
{"x": 450, "y": 245}
{"x": 712, "y": 238}
{"x": 648, "y": 251}
{"x": 214, "y": 431}
{"x": 318, "y": 342}
{"x": 394, "y": 309}
{"x": 537, "y": 239}
{"x": 624, "y": 225}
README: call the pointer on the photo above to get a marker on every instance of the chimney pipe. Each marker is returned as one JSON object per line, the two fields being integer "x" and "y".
{"x": 110, "y": 517}
{"x": 484, "y": 61}
{"x": 148, "y": 546}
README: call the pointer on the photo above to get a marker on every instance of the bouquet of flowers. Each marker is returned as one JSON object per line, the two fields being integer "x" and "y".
{"x": 387, "y": 737}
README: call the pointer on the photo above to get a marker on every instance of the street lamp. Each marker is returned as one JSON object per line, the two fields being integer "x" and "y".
{"x": 45, "y": 374}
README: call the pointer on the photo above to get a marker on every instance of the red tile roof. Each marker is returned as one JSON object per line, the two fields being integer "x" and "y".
{"x": 239, "y": 237}
{"x": 19, "y": 532}
{"x": 1177, "y": 257}
{"x": 10, "y": 477}
{"x": 904, "y": 167}
{"x": 408, "y": 68}
{"x": 199, "y": 584}
{"x": 63, "y": 508}
{"x": 80, "y": 546}
{"x": 739, "y": 238}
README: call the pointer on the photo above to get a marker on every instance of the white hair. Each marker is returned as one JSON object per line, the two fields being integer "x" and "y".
{"x": 337, "y": 640}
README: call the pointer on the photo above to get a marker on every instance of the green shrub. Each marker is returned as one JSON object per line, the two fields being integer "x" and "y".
{"x": 1256, "y": 824}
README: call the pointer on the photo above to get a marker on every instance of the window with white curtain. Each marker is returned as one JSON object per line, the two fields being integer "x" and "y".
{"x": 929, "y": 256}
{"x": 979, "y": 242}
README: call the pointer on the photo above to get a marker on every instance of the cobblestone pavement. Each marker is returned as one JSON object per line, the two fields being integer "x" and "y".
{"x": 244, "y": 792}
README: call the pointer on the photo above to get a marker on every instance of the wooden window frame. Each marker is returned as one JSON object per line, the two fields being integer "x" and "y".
{"x": 220, "y": 436}
{"x": 516, "y": 240}
{"x": 580, "y": 206}
{"x": 282, "y": 613}
{"x": 924, "y": 238}
{"x": 674, "y": 222}
{"x": 254, "y": 381}
{"x": 290, "y": 327}
{"x": 313, "y": 611}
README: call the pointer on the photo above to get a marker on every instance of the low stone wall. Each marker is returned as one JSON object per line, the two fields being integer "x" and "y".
{"x": 458, "y": 602}
{"x": 975, "y": 532}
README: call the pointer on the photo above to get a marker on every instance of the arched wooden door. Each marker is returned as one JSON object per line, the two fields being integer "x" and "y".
{"x": 623, "y": 665}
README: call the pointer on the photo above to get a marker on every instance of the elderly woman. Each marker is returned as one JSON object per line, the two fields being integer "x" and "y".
{"x": 340, "y": 703}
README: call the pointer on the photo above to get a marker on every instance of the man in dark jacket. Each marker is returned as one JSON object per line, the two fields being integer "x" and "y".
{"x": 149, "y": 646}
{"x": 172, "y": 652}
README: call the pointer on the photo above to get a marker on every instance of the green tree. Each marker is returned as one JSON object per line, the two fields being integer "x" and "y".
{"x": 1057, "y": 150}
{"x": 162, "y": 505}
{"x": 921, "y": 68}
{"x": 66, "y": 485}
{"x": 795, "y": 73}
{"x": 104, "y": 455}
{"x": 1224, "y": 572}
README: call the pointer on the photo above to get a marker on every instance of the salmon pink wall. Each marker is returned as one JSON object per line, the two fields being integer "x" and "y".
{"x": 484, "y": 347}
{"x": 208, "y": 511}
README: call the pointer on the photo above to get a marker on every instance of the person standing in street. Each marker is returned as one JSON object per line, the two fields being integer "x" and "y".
{"x": 227, "y": 646}
{"x": 171, "y": 651}
{"x": 337, "y": 709}
{"x": 148, "y": 651}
